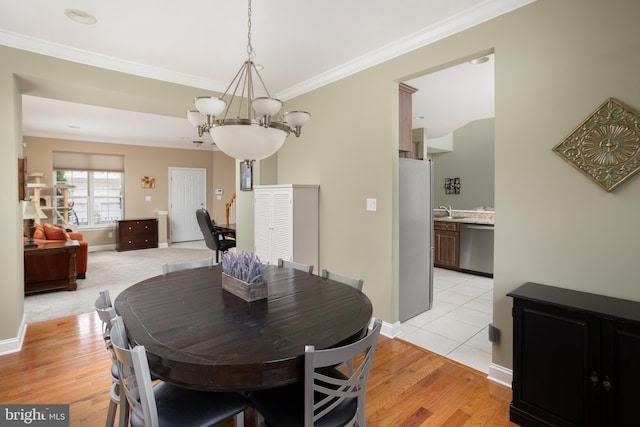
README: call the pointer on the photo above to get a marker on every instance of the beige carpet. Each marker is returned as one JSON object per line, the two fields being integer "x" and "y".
{"x": 110, "y": 270}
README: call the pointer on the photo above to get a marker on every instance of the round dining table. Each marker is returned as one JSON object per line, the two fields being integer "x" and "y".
{"x": 199, "y": 336}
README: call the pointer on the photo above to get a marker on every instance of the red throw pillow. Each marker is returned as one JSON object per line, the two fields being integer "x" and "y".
{"x": 54, "y": 232}
{"x": 39, "y": 233}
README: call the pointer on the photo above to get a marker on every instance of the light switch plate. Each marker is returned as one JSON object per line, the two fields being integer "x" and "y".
{"x": 371, "y": 205}
{"x": 147, "y": 198}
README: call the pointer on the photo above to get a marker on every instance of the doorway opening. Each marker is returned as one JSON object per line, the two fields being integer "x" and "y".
{"x": 447, "y": 108}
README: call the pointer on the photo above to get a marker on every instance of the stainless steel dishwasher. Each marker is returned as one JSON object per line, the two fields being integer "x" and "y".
{"x": 476, "y": 248}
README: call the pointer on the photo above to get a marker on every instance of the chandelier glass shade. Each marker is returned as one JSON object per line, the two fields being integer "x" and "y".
{"x": 243, "y": 125}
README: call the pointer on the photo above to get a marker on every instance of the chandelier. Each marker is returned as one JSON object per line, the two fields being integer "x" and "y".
{"x": 242, "y": 124}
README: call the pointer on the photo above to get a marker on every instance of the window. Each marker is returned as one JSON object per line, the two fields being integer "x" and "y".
{"x": 94, "y": 198}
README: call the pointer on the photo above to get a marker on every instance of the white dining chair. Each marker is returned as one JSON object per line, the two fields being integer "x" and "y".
{"x": 356, "y": 283}
{"x": 106, "y": 313}
{"x": 295, "y": 265}
{"x": 170, "y": 268}
{"x": 164, "y": 404}
{"x": 327, "y": 396}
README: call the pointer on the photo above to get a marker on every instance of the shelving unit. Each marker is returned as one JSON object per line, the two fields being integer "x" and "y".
{"x": 48, "y": 203}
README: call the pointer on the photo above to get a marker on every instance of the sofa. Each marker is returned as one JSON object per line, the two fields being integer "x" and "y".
{"x": 40, "y": 269}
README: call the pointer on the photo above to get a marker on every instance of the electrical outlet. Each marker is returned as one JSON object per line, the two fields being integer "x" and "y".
{"x": 110, "y": 234}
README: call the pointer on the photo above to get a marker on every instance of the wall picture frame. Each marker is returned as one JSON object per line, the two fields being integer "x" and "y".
{"x": 246, "y": 176}
{"x": 148, "y": 181}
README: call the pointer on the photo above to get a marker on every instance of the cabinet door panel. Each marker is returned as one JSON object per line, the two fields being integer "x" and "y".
{"x": 551, "y": 355}
{"x": 446, "y": 252}
{"x": 621, "y": 368}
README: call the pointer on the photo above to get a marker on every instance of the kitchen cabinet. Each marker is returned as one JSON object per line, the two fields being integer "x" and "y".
{"x": 576, "y": 358}
{"x": 446, "y": 244}
{"x": 136, "y": 234}
{"x": 286, "y": 223}
{"x": 406, "y": 146}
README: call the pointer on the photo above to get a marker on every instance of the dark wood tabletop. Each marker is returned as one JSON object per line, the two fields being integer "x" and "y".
{"x": 199, "y": 336}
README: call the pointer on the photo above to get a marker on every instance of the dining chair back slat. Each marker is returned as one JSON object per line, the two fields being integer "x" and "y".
{"x": 170, "y": 268}
{"x": 356, "y": 283}
{"x": 295, "y": 265}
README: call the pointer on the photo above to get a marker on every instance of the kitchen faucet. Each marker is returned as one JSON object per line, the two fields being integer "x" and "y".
{"x": 448, "y": 209}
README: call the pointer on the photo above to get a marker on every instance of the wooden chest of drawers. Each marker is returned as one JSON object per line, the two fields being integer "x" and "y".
{"x": 136, "y": 234}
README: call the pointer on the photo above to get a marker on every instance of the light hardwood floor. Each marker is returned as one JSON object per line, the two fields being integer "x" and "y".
{"x": 64, "y": 361}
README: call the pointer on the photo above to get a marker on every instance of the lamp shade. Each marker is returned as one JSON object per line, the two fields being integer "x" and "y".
{"x": 31, "y": 210}
{"x": 246, "y": 142}
{"x": 209, "y": 105}
{"x": 297, "y": 118}
{"x": 266, "y": 106}
{"x": 196, "y": 118}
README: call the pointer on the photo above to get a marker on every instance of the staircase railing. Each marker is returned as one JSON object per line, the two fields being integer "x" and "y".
{"x": 230, "y": 210}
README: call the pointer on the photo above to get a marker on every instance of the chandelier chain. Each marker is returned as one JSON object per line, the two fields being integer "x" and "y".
{"x": 250, "y": 51}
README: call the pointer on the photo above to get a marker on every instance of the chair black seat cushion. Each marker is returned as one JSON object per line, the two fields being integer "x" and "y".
{"x": 180, "y": 407}
{"x": 269, "y": 403}
{"x": 225, "y": 244}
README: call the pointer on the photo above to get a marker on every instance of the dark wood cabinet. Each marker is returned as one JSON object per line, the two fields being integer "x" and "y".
{"x": 446, "y": 244}
{"x": 136, "y": 234}
{"x": 576, "y": 358}
{"x": 406, "y": 146}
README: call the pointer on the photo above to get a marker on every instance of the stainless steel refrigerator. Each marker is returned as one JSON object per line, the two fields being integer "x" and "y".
{"x": 416, "y": 237}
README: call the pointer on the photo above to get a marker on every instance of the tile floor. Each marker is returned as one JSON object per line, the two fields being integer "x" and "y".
{"x": 457, "y": 324}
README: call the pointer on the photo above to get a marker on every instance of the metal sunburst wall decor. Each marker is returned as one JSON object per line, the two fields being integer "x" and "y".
{"x": 606, "y": 145}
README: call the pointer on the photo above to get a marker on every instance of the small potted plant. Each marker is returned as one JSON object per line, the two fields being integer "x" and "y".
{"x": 242, "y": 276}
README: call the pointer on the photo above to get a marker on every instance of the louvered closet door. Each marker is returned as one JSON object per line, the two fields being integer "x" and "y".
{"x": 262, "y": 225}
{"x": 282, "y": 226}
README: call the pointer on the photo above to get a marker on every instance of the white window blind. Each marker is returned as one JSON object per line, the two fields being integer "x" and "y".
{"x": 87, "y": 161}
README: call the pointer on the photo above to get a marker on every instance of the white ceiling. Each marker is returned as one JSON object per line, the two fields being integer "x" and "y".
{"x": 302, "y": 45}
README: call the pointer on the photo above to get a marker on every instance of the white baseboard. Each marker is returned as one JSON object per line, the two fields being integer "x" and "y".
{"x": 14, "y": 345}
{"x": 500, "y": 375}
{"x": 391, "y": 330}
{"x": 93, "y": 248}
{"x": 113, "y": 247}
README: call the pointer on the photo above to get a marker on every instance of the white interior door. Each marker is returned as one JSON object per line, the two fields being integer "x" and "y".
{"x": 187, "y": 193}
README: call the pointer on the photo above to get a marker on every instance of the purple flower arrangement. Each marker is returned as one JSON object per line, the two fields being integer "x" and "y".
{"x": 243, "y": 266}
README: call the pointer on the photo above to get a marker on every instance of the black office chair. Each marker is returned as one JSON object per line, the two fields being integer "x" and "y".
{"x": 216, "y": 240}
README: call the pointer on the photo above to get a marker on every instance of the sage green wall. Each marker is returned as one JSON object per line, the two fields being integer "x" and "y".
{"x": 553, "y": 225}
{"x": 11, "y": 250}
{"x": 472, "y": 160}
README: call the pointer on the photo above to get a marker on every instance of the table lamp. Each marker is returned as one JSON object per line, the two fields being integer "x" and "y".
{"x": 31, "y": 211}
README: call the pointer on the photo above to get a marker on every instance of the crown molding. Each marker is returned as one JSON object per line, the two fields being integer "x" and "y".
{"x": 485, "y": 11}
{"x": 85, "y": 57}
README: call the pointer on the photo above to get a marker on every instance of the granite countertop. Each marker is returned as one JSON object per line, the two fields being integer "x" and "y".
{"x": 466, "y": 217}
